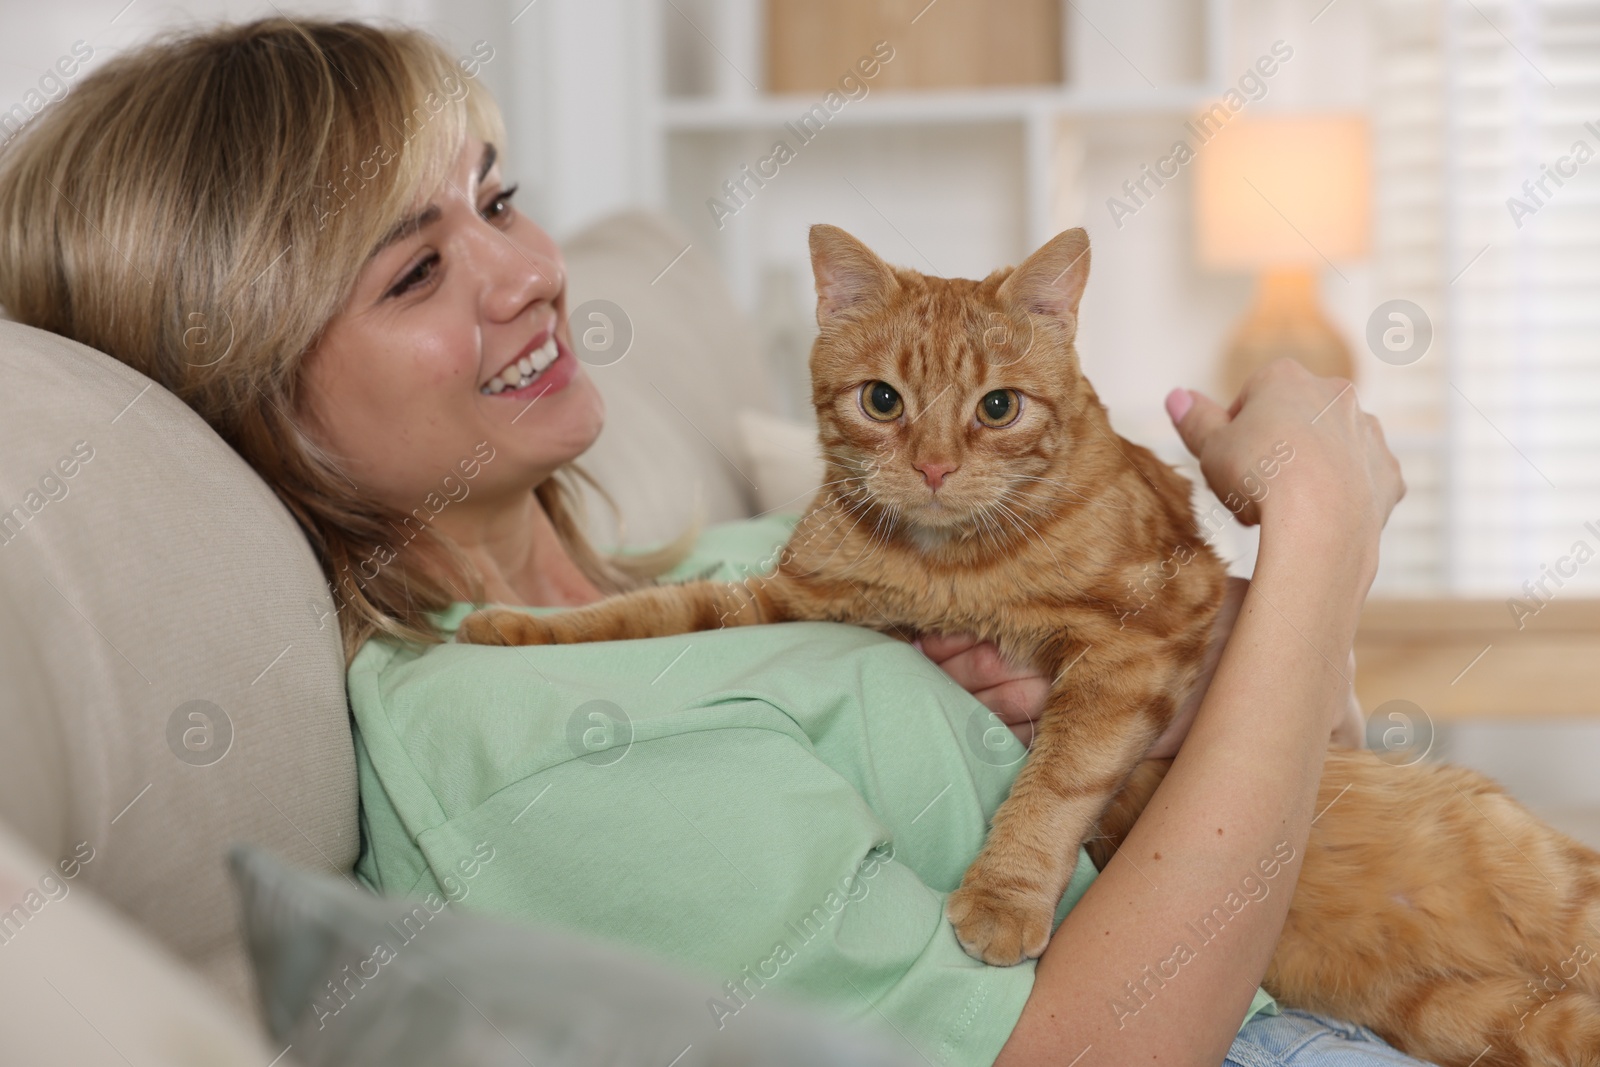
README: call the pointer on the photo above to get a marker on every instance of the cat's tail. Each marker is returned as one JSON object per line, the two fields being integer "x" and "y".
{"x": 1435, "y": 909}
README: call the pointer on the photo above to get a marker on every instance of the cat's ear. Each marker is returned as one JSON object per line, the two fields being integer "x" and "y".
{"x": 849, "y": 276}
{"x": 1051, "y": 281}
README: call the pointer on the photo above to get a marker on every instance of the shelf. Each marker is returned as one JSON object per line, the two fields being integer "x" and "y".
{"x": 1466, "y": 658}
{"x": 941, "y": 107}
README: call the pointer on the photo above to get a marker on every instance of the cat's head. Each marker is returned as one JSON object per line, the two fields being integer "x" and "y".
{"x": 947, "y": 401}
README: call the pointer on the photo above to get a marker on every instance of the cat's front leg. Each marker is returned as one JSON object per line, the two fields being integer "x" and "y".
{"x": 660, "y": 611}
{"x": 1089, "y": 738}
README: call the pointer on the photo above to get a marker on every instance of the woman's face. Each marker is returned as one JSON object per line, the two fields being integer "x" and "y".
{"x": 408, "y": 384}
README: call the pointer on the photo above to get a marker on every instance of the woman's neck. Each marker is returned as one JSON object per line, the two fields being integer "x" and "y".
{"x": 520, "y": 555}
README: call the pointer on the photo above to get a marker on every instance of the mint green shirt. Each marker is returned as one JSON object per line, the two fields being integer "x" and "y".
{"x": 782, "y": 808}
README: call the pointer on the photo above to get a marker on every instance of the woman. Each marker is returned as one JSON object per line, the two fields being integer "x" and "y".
{"x": 303, "y": 231}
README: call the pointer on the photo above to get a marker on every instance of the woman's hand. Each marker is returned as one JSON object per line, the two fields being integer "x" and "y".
{"x": 1294, "y": 450}
{"x": 1016, "y": 695}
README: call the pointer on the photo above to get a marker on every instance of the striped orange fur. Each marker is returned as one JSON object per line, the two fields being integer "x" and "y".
{"x": 1435, "y": 909}
{"x": 974, "y": 485}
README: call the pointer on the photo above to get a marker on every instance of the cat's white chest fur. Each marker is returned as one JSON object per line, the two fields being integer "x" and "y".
{"x": 929, "y": 538}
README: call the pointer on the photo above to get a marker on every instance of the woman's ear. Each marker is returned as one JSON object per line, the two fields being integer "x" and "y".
{"x": 1051, "y": 281}
{"x": 849, "y": 276}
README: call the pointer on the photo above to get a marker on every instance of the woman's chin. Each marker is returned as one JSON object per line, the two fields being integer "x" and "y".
{"x": 586, "y": 430}
{"x": 564, "y": 431}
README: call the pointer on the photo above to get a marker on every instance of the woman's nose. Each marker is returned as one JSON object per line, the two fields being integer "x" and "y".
{"x": 516, "y": 275}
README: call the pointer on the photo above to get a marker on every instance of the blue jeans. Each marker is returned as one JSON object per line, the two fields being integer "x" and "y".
{"x": 1300, "y": 1039}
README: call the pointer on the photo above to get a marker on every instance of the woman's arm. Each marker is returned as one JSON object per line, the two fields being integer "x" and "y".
{"x": 1017, "y": 695}
{"x": 1242, "y": 788}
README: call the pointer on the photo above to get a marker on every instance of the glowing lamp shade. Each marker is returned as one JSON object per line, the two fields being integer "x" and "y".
{"x": 1279, "y": 192}
{"x": 1285, "y": 196}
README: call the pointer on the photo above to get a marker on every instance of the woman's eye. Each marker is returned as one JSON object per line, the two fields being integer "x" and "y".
{"x": 881, "y": 402}
{"x": 500, "y": 206}
{"x": 497, "y": 211}
{"x": 999, "y": 408}
{"x": 416, "y": 276}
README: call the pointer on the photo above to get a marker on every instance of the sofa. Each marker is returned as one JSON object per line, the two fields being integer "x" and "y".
{"x": 173, "y": 678}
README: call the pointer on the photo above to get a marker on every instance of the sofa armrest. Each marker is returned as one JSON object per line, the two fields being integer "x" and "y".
{"x": 82, "y": 985}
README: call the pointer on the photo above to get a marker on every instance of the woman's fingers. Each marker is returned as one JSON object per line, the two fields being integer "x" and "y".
{"x": 1016, "y": 695}
{"x": 942, "y": 647}
{"x": 974, "y": 664}
{"x": 1016, "y": 703}
{"x": 1203, "y": 424}
{"x": 1338, "y": 470}
{"x": 1196, "y": 417}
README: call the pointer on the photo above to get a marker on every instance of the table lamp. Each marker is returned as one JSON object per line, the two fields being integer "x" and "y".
{"x": 1284, "y": 196}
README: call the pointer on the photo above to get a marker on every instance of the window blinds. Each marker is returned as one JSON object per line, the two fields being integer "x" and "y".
{"x": 1487, "y": 153}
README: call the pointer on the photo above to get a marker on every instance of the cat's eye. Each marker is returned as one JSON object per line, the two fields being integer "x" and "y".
{"x": 999, "y": 407}
{"x": 881, "y": 402}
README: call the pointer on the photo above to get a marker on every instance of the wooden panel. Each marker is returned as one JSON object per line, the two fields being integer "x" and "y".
{"x": 952, "y": 43}
{"x": 1470, "y": 659}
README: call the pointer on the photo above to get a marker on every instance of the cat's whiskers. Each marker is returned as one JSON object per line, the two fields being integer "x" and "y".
{"x": 1002, "y": 536}
{"x": 840, "y": 505}
{"x": 981, "y": 531}
{"x": 1031, "y": 530}
{"x": 1073, "y": 488}
{"x": 987, "y": 522}
{"x": 885, "y": 516}
{"x": 864, "y": 506}
{"x": 855, "y": 459}
{"x": 862, "y": 469}
{"x": 871, "y": 535}
{"x": 809, "y": 494}
{"x": 888, "y": 516}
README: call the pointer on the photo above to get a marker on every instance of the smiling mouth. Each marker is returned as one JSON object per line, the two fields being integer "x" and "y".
{"x": 525, "y": 370}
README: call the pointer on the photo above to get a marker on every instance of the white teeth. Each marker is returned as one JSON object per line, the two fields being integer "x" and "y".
{"x": 523, "y": 371}
{"x": 546, "y": 354}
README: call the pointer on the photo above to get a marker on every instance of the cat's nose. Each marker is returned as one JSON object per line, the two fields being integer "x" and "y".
{"x": 934, "y": 473}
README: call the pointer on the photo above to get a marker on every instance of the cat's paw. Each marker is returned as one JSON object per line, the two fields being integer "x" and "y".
{"x": 496, "y": 626}
{"x": 1001, "y": 929}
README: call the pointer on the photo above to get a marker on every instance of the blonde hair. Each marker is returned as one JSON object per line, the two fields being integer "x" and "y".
{"x": 220, "y": 190}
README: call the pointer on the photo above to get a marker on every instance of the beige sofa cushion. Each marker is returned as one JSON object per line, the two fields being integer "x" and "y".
{"x": 785, "y": 459}
{"x": 81, "y": 986}
{"x": 671, "y": 436}
{"x": 153, "y": 589}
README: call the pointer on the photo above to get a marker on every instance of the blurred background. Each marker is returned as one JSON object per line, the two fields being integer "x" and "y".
{"x": 1402, "y": 192}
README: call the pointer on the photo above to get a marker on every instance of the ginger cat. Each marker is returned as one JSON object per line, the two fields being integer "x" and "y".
{"x": 974, "y": 484}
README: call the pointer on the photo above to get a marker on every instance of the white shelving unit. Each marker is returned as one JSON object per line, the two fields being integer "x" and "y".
{"x": 1047, "y": 121}
{"x": 954, "y": 182}
{"x": 1043, "y": 116}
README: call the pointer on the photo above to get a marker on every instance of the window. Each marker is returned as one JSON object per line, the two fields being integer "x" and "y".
{"x": 1487, "y": 152}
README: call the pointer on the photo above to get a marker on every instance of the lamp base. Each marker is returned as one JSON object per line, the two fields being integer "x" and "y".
{"x": 1285, "y": 320}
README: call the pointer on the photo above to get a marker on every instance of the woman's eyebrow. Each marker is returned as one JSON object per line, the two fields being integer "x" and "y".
{"x": 411, "y": 224}
{"x": 406, "y": 226}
